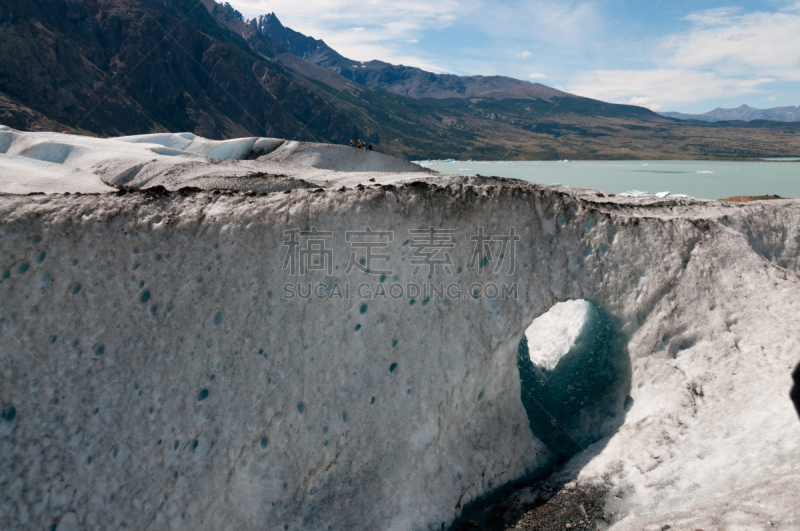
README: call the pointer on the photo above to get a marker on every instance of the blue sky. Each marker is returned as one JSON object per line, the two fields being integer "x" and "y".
{"x": 668, "y": 55}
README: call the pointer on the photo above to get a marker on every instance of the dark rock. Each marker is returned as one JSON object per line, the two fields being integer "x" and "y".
{"x": 796, "y": 389}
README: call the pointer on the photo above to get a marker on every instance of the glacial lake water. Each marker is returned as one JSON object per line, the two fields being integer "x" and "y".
{"x": 700, "y": 179}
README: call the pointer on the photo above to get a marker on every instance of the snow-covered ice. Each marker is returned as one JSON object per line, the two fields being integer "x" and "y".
{"x": 58, "y": 163}
{"x": 153, "y": 377}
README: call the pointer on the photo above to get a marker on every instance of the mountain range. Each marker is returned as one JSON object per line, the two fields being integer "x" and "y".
{"x": 744, "y": 113}
{"x": 123, "y": 67}
{"x": 402, "y": 80}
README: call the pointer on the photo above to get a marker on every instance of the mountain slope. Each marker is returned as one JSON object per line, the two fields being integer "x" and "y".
{"x": 402, "y": 80}
{"x": 744, "y": 113}
{"x": 124, "y": 67}
{"x": 506, "y": 118}
{"x": 292, "y": 41}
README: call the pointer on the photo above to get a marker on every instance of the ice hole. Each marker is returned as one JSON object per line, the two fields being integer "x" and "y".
{"x": 575, "y": 375}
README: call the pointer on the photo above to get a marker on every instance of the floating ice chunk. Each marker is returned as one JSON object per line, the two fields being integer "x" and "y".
{"x": 704, "y": 171}
{"x": 556, "y": 184}
{"x": 662, "y": 195}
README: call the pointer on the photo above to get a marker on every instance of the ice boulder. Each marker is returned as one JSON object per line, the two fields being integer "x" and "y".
{"x": 551, "y": 336}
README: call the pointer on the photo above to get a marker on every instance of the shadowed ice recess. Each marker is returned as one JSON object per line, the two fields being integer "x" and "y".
{"x": 574, "y": 372}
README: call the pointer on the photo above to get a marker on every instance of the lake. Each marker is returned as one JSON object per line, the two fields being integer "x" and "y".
{"x": 700, "y": 179}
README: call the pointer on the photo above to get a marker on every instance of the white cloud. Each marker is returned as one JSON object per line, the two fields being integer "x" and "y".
{"x": 645, "y": 101}
{"x": 393, "y": 30}
{"x": 732, "y": 43}
{"x": 772, "y": 98}
{"x": 411, "y": 60}
{"x": 563, "y": 23}
{"x": 364, "y": 31}
{"x": 660, "y": 86}
{"x": 390, "y": 29}
{"x": 727, "y": 53}
{"x": 714, "y": 17}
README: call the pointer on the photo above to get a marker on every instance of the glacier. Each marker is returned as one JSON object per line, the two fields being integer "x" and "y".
{"x": 58, "y": 163}
{"x": 155, "y": 376}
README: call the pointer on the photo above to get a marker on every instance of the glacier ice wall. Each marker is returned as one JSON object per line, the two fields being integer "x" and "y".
{"x": 158, "y": 380}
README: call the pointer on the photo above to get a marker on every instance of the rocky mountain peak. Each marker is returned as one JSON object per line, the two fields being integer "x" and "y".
{"x": 232, "y": 11}
{"x": 290, "y": 40}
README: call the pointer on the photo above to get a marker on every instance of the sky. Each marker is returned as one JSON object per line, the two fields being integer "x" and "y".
{"x": 667, "y": 55}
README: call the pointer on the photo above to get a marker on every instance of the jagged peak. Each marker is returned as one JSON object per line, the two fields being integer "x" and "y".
{"x": 293, "y": 41}
{"x": 230, "y": 9}
{"x": 261, "y": 20}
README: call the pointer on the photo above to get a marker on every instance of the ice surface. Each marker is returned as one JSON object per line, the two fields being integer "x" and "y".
{"x": 189, "y": 143}
{"x": 635, "y": 193}
{"x": 23, "y": 175}
{"x": 152, "y": 375}
{"x": 177, "y": 160}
